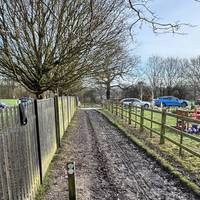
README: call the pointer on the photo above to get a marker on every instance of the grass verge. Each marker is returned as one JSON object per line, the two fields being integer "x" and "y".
{"x": 9, "y": 102}
{"x": 163, "y": 162}
{"x": 42, "y": 188}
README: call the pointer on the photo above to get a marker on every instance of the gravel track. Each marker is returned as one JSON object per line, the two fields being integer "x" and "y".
{"x": 109, "y": 166}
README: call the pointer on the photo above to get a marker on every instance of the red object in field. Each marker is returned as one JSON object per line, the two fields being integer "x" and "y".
{"x": 195, "y": 114}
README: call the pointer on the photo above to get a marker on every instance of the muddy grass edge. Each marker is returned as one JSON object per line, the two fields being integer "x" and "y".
{"x": 163, "y": 162}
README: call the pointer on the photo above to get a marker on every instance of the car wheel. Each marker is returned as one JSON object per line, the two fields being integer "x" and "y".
{"x": 146, "y": 106}
{"x": 183, "y": 104}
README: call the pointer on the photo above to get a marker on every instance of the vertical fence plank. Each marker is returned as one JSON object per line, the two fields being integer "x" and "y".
{"x": 136, "y": 116}
{"x": 122, "y": 111}
{"x": 141, "y": 118}
{"x": 4, "y": 179}
{"x": 57, "y": 124}
{"x": 151, "y": 123}
{"x": 181, "y": 137}
{"x": 162, "y": 130}
{"x": 129, "y": 113}
{"x": 63, "y": 116}
{"x": 112, "y": 108}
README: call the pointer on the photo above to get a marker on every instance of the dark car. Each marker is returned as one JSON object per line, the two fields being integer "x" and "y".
{"x": 170, "y": 101}
{"x": 3, "y": 105}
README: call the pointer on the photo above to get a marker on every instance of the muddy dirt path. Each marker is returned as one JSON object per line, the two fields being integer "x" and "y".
{"x": 109, "y": 166}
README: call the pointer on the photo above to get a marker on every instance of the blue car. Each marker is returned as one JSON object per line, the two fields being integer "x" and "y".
{"x": 170, "y": 101}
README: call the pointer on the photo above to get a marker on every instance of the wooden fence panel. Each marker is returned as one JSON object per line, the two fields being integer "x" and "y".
{"x": 65, "y": 116}
{"x": 20, "y": 173}
{"x": 47, "y": 132}
{"x": 19, "y": 169}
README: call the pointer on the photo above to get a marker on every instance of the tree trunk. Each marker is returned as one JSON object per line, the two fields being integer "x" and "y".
{"x": 39, "y": 96}
{"x": 152, "y": 93}
{"x": 108, "y": 92}
{"x": 141, "y": 92}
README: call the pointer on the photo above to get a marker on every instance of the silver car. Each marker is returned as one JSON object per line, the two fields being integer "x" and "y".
{"x": 135, "y": 102}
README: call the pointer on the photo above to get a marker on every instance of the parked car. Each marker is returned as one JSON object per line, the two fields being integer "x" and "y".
{"x": 3, "y": 105}
{"x": 135, "y": 101}
{"x": 25, "y": 100}
{"x": 170, "y": 101}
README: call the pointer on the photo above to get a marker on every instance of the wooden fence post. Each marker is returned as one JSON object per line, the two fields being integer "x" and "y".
{"x": 116, "y": 109}
{"x": 141, "y": 119}
{"x": 122, "y": 111}
{"x": 151, "y": 123}
{"x": 38, "y": 139}
{"x": 63, "y": 114}
{"x": 162, "y": 130}
{"x": 181, "y": 137}
{"x": 57, "y": 121}
{"x": 71, "y": 180}
{"x": 135, "y": 116}
{"x": 129, "y": 113}
{"x": 112, "y": 107}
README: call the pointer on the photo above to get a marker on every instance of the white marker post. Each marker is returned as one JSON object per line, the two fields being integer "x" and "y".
{"x": 71, "y": 180}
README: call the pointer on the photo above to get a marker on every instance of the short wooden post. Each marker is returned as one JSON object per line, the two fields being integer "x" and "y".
{"x": 141, "y": 119}
{"x": 151, "y": 123}
{"x": 116, "y": 110}
{"x": 71, "y": 180}
{"x": 162, "y": 130}
{"x": 122, "y": 111}
{"x": 129, "y": 113}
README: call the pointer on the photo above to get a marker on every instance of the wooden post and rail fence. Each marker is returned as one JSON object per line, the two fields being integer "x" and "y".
{"x": 157, "y": 122}
{"x": 27, "y": 150}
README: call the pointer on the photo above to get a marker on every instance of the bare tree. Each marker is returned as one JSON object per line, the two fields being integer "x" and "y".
{"x": 115, "y": 65}
{"x": 154, "y": 71}
{"x": 172, "y": 73}
{"x": 193, "y": 75}
{"x": 44, "y": 44}
{"x": 143, "y": 14}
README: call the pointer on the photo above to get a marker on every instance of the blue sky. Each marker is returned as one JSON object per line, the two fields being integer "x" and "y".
{"x": 187, "y": 11}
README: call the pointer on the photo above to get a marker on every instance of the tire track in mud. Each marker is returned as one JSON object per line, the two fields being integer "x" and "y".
{"x": 148, "y": 180}
{"x": 103, "y": 172}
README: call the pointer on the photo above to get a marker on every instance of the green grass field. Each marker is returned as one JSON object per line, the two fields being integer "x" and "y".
{"x": 9, "y": 102}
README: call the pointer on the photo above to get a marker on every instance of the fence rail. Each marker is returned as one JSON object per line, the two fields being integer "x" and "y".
{"x": 161, "y": 123}
{"x": 27, "y": 150}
